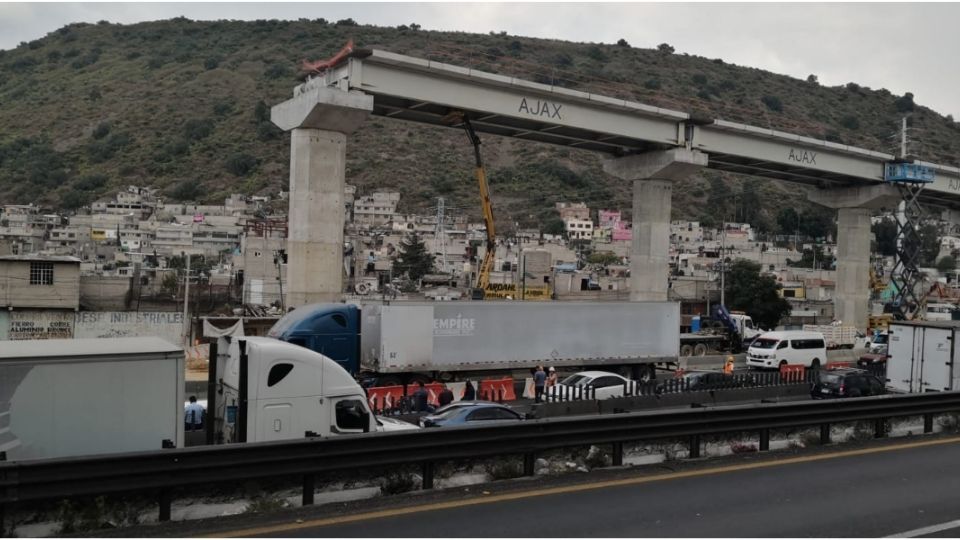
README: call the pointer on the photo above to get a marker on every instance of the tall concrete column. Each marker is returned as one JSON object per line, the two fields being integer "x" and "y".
{"x": 653, "y": 175}
{"x": 320, "y": 119}
{"x": 852, "y": 291}
{"x": 854, "y": 209}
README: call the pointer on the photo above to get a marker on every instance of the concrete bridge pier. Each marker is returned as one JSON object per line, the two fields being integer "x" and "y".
{"x": 320, "y": 119}
{"x": 855, "y": 206}
{"x": 653, "y": 175}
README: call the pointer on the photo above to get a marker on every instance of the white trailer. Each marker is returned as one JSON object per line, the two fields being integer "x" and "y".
{"x": 921, "y": 356}
{"x": 479, "y": 336}
{"x": 74, "y": 397}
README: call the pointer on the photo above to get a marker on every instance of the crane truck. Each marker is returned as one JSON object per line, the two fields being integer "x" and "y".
{"x": 726, "y": 332}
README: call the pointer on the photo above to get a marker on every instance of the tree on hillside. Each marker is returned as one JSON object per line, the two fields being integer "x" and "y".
{"x": 946, "y": 264}
{"x": 554, "y": 226}
{"x": 665, "y": 48}
{"x": 788, "y": 221}
{"x": 929, "y": 244}
{"x": 885, "y": 231}
{"x": 414, "y": 260}
{"x": 755, "y": 294}
{"x": 603, "y": 258}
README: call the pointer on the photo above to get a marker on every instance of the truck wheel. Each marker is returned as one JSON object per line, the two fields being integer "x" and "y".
{"x": 700, "y": 350}
{"x": 686, "y": 350}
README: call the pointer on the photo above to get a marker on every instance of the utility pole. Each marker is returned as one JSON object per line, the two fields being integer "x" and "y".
{"x": 186, "y": 303}
{"x": 723, "y": 264}
{"x": 903, "y": 138}
{"x": 278, "y": 259}
{"x": 439, "y": 239}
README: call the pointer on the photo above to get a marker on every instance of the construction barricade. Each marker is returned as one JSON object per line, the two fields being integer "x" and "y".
{"x": 529, "y": 389}
{"x": 793, "y": 373}
{"x": 497, "y": 390}
{"x": 458, "y": 389}
{"x": 384, "y": 398}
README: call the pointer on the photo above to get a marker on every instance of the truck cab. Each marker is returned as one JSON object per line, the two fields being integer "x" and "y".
{"x": 332, "y": 330}
{"x": 745, "y": 326}
{"x": 272, "y": 390}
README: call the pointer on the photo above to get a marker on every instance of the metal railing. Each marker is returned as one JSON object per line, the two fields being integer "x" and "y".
{"x": 160, "y": 471}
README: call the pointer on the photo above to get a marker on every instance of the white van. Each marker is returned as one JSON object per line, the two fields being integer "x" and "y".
{"x": 774, "y": 349}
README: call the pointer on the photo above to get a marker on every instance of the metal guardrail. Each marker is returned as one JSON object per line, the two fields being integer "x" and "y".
{"x": 160, "y": 471}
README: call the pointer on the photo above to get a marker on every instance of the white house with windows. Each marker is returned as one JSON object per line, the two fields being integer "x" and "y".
{"x": 37, "y": 281}
{"x": 579, "y": 229}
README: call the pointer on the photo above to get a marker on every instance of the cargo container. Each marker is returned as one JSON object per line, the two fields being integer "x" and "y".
{"x": 398, "y": 343}
{"x": 921, "y": 356}
{"x": 74, "y": 397}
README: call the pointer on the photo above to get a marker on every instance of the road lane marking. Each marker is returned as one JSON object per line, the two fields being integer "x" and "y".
{"x": 392, "y": 512}
{"x": 922, "y": 531}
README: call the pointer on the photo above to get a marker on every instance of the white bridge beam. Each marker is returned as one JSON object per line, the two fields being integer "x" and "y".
{"x": 424, "y": 91}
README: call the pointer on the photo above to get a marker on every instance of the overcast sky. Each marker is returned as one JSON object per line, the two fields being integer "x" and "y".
{"x": 901, "y": 47}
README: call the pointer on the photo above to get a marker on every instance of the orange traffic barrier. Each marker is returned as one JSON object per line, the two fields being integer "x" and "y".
{"x": 433, "y": 392}
{"x": 384, "y": 397}
{"x": 792, "y": 373}
{"x": 498, "y": 389}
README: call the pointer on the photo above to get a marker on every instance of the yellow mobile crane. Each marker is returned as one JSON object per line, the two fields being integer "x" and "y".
{"x": 486, "y": 267}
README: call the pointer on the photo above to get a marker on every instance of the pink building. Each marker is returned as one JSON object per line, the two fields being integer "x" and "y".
{"x": 622, "y": 231}
{"x": 608, "y": 218}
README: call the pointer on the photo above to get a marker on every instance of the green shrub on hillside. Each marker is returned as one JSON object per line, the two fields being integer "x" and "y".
{"x": 773, "y": 103}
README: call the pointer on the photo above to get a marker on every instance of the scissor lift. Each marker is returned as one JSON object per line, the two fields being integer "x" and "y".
{"x": 910, "y": 180}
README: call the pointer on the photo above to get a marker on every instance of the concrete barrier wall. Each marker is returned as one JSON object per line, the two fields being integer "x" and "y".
{"x": 51, "y": 324}
{"x": 101, "y": 324}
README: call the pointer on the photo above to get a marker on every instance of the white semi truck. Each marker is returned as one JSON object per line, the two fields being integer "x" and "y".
{"x": 922, "y": 356}
{"x": 404, "y": 342}
{"x": 75, "y": 397}
{"x": 268, "y": 390}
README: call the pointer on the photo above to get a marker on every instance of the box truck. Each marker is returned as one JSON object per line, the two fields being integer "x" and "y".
{"x": 404, "y": 342}
{"x": 75, "y": 397}
{"x": 921, "y": 356}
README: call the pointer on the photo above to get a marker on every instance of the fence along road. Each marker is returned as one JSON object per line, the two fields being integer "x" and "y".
{"x": 159, "y": 471}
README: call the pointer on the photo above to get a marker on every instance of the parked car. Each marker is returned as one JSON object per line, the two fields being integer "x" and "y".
{"x": 470, "y": 413}
{"x": 849, "y": 382}
{"x": 775, "y": 349}
{"x": 605, "y": 384}
{"x": 386, "y": 424}
{"x": 711, "y": 380}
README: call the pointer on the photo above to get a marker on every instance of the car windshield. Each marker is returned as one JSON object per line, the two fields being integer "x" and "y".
{"x": 761, "y": 343}
{"x": 830, "y": 378}
{"x": 575, "y": 380}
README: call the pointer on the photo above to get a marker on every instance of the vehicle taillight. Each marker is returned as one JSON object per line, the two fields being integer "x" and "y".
{"x": 841, "y": 389}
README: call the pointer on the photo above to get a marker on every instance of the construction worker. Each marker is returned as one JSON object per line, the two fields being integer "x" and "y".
{"x": 728, "y": 366}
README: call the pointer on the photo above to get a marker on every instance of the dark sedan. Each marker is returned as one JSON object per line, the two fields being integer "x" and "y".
{"x": 470, "y": 413}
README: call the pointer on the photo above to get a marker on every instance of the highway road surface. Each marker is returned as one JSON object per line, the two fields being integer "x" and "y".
{"x": 905, "y": 488}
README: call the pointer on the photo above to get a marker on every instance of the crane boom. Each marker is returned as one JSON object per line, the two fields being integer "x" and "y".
{"x": 486, "y": 267}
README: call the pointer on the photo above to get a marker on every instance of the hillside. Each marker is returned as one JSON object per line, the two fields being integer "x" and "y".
{"x": 183, "y": 106}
